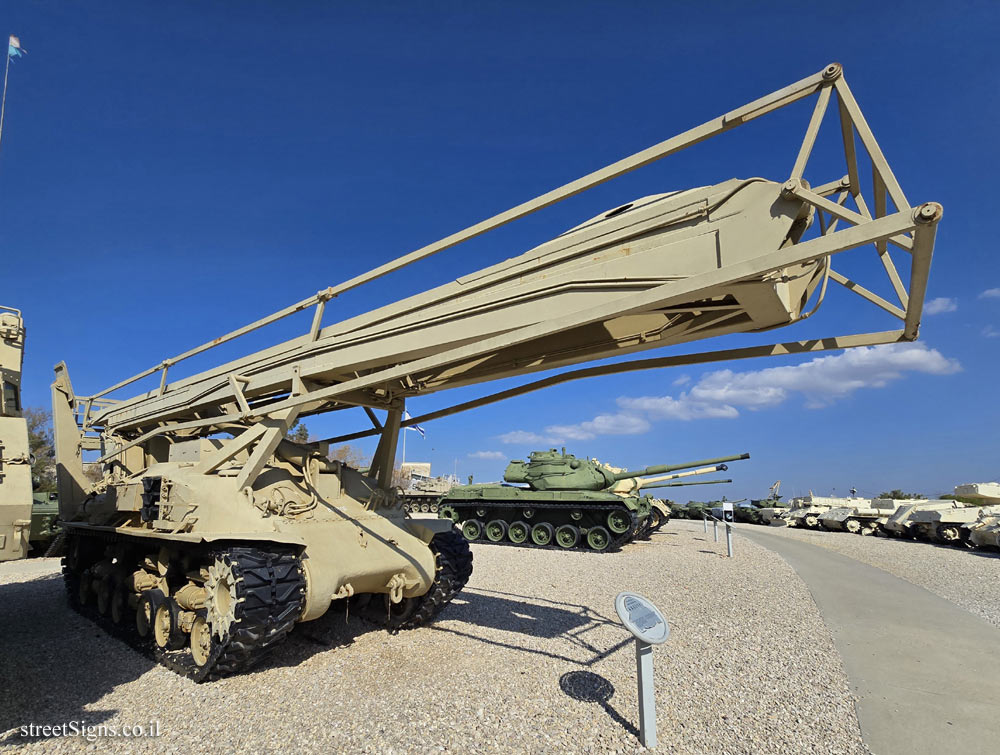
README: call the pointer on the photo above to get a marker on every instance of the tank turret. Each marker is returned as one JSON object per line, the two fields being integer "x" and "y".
{"x": 555, "y": 470}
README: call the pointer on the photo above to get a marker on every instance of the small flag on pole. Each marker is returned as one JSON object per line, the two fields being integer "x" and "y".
{"x": 418, "y": 428}
{"x": 14, "y": 49}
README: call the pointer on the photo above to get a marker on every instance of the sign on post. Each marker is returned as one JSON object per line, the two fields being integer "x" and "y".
{"x": 727, "y": 511}
{"x": 647, "y": 624}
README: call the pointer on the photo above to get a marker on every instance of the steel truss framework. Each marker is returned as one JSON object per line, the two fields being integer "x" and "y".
{"x": 889, "y": 223}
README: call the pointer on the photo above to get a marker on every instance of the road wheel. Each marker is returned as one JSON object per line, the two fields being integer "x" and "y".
{"x": 472, "y": 529}
{"x": 541, "y": 533}
{"x": 496, "y": 531}
{"x": 949, "y": 533}
{"x": 567, "y": 536}
{"x": 598, "y": 538}
{"x": 619, "y": 521}
{"x": 518, "y": 532}
{"x": 167, "y": 632}
{"x": 119, "y": 604}
{"x": 201, "y": 641}
{"x": 146, "y": 610}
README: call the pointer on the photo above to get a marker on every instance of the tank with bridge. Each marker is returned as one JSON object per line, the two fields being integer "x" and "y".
{"x": 555, "y": 499}
{"x": 917, "y": 518}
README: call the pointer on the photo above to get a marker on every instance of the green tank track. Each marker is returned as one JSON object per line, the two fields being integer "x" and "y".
{"x": 270, "y": 592}
{"x": 634, "y": 532}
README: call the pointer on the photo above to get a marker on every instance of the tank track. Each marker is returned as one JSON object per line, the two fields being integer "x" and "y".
{"x": 634, "y": 532}
{"x": 270, "y": 591}
{"x": 454, "y": 567}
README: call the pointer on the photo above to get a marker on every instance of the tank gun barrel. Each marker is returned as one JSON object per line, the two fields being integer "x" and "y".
{"x": 662, "y": 468}
{"x": 687, "y": 482}
{"x": 649, "y": 481}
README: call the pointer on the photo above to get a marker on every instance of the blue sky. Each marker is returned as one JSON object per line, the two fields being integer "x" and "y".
{"x": 169, "y": 172}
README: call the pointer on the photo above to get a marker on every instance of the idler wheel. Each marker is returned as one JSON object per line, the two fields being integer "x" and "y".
{"x": 167, "y": 632}
{"x": 472, "y": 529}
{"x": 619, "y": 522}
{"x": 518, "y": 532}
{"x": 496, "y": 530}
{"x": 541, "y": 533}
{"x": 567, "y": 536}
{"x": 146, "y": 611}
{"x": 201, "y": 641}
{"x": 598, "y": 538}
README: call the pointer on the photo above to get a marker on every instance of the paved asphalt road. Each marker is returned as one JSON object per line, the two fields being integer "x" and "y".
{"x": 926, "y": 672}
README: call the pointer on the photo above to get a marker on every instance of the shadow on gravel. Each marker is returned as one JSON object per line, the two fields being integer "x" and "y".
{"x": 54, "y": 662}
{"x": 534, "y": 617}
{"x": 589, "y": 687}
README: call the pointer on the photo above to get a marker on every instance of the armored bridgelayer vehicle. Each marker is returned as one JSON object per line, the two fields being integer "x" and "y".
{"x": 213, "y": 535}
{"x": 15, "y": 455}
{"x": 568, "y": 502}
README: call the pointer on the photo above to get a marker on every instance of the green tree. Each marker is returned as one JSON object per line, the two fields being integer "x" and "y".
{"x": 901, "y": 496}
{"x": 298, "y": 433}
{"x": 42, "y": 448}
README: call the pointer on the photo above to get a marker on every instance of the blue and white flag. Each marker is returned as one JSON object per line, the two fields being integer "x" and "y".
{"x": 418, "y": 428}
{"x": 14, "y": 49}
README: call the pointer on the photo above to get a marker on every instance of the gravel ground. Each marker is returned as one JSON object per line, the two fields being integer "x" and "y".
{"x": 968, "y": 578}
{"x": 530, "y": 657}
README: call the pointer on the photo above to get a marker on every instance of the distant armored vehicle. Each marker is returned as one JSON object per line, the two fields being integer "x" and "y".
{"x": 424, "y": 493}
{"x": 44, "y": 515}
{"x": 945, "y": 524}
{"x": 919, "y": 517}
{"x": 15, "y": 456}
{"x": 569, "y": 502}
{"x": 864, "y": 519}
{"x": 808, "y": 510}
{"x": 984, "y": 532}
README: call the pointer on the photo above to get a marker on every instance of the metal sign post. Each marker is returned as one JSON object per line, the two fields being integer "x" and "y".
{"x": 645, "y": 621}
{"x": 727, "y": 511}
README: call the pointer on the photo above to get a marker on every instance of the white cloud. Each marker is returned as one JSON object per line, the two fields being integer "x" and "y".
{"x": 940, "y": 305}
{"x": 682, "y": 380}
{"x": 990, "y": 293}
{"x": 723, "y": 394}
{"x": 602, "y": 424}
{"x": 990, "y": 332}
{"x": 488, "y": 455}
{"x": 523, "y": 436}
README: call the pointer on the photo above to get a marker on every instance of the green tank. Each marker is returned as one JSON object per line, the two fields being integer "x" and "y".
{"x": 44, "y": 515}
{"x": 558, "y": 500}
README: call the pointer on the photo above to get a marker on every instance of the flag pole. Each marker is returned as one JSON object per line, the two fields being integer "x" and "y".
{"x": 3, "y": 102}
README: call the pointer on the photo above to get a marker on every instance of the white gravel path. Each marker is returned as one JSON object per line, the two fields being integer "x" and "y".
{"x": 749, "y": 667}
{"x": 968, "y": 578}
